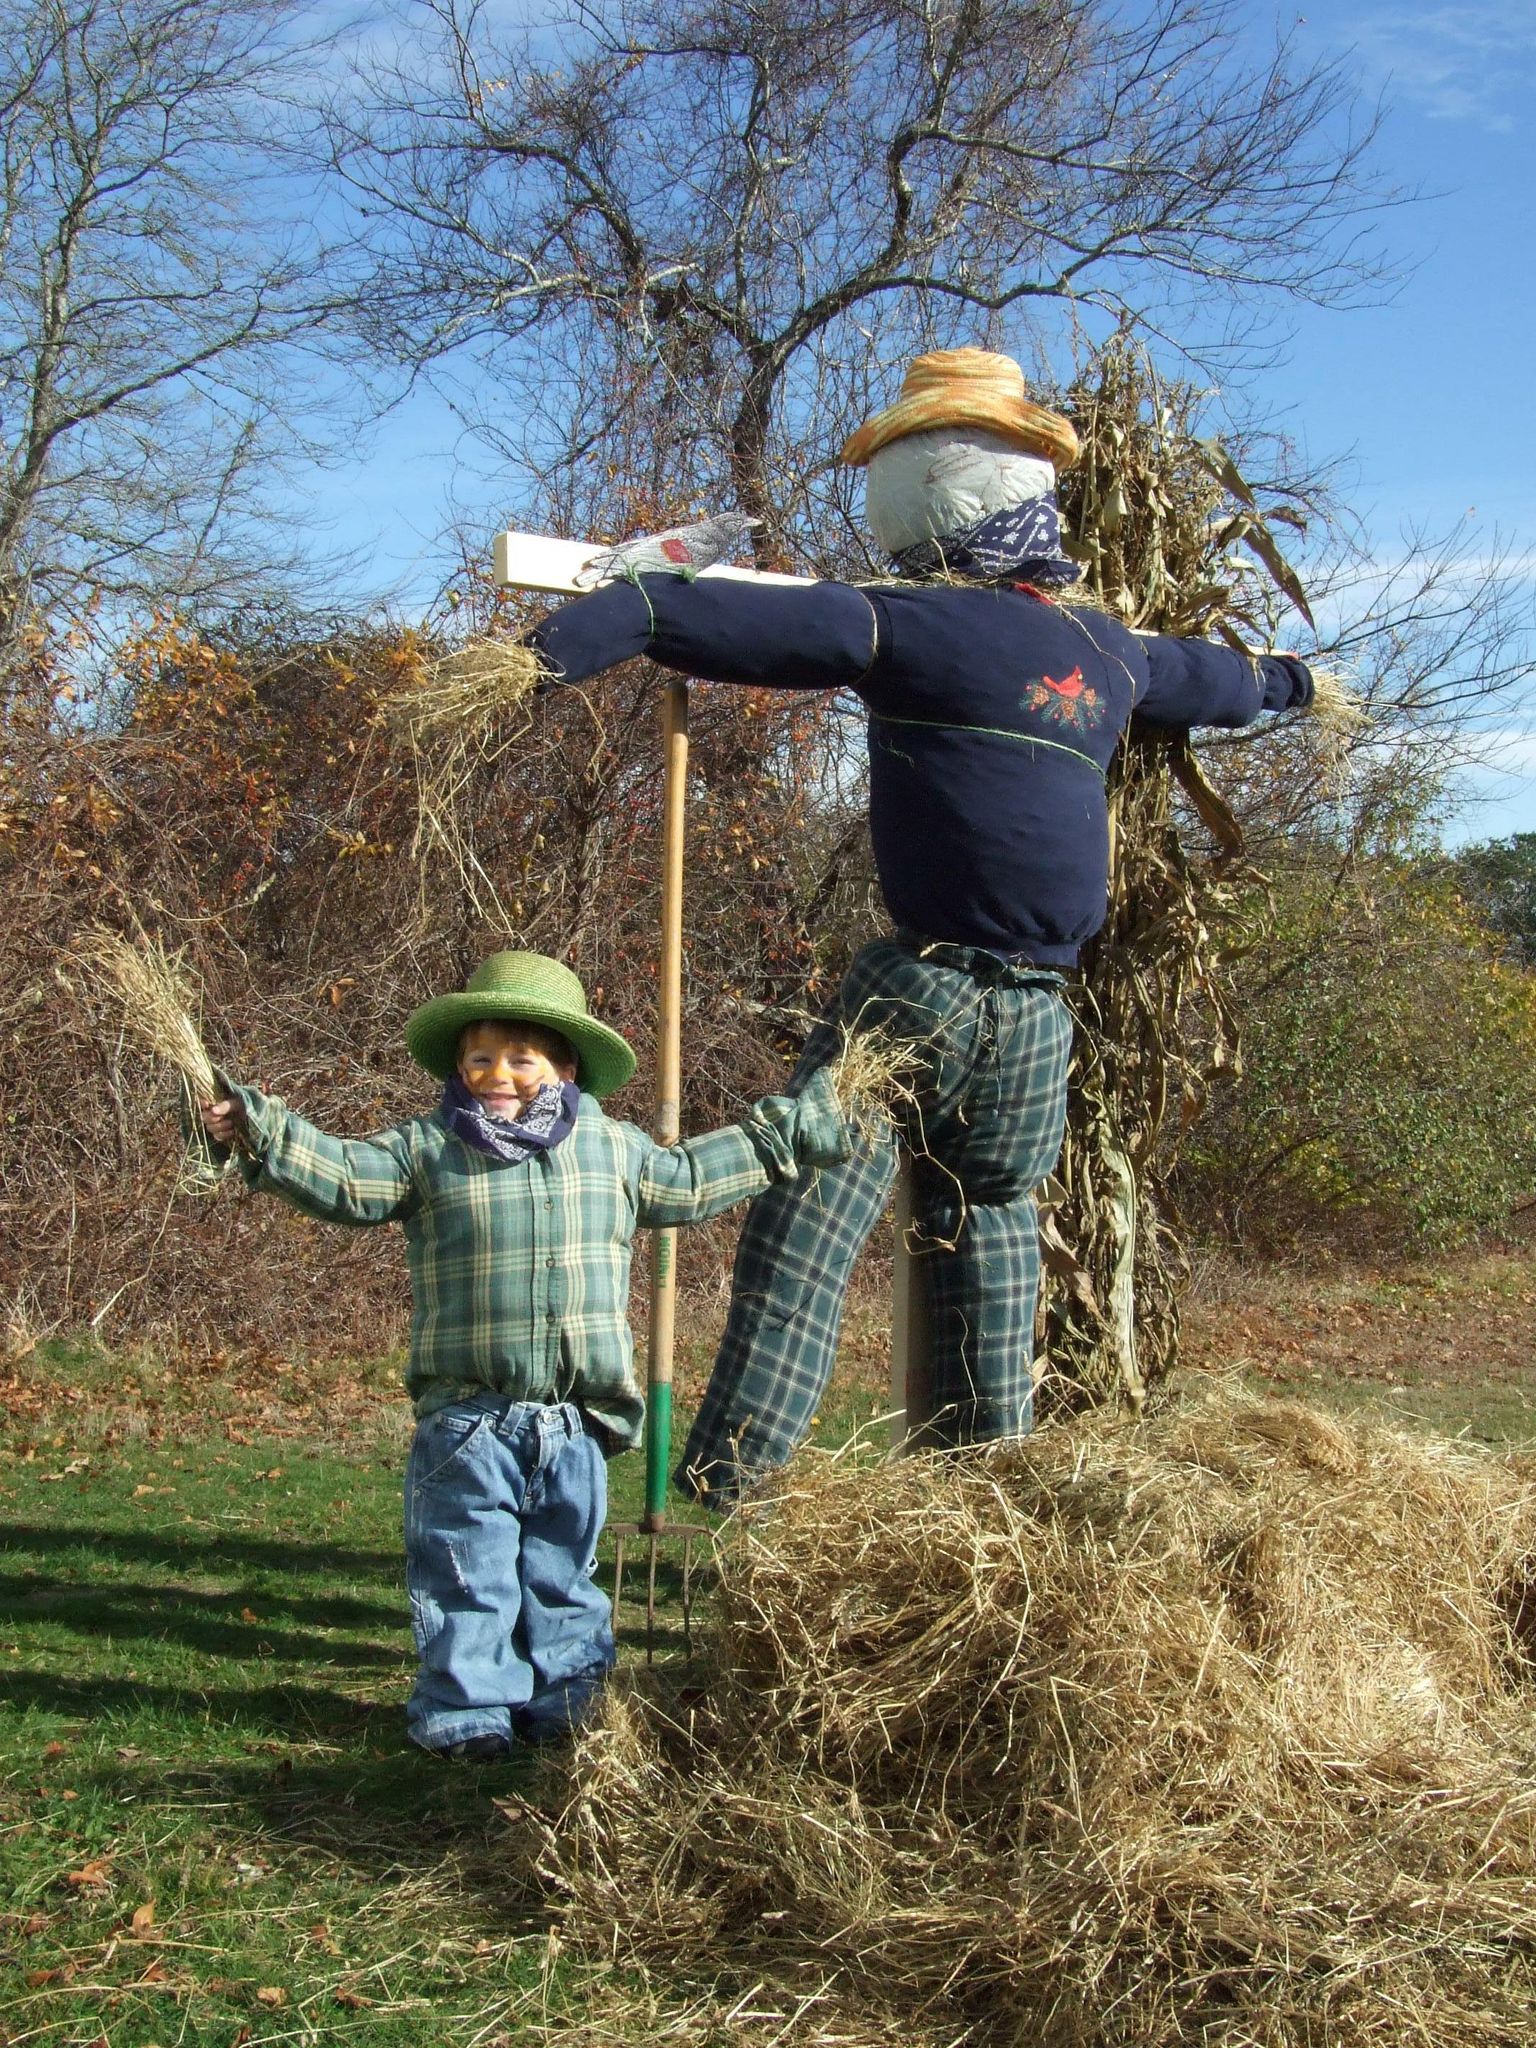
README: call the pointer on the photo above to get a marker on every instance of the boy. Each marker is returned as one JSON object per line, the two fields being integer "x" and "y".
{"x": 519, "y": 1199}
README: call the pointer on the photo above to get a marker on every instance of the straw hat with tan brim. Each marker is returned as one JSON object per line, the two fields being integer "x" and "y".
{"x": 966, "y": 387}
{"x": 521, "y": 988}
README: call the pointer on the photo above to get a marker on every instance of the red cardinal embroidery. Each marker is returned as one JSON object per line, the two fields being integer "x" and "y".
{"x": 1067, "y": 702}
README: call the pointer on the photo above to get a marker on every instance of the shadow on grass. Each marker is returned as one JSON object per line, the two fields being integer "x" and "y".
{"x": 301, "y": 1713}
{"x": 198, "y": 1553}
{"x": 392, "y": 1812}
{"x": 210, "y": 1622}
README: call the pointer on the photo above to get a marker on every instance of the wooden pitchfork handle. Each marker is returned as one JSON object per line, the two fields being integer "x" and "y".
{"x": 669, "y": 1090}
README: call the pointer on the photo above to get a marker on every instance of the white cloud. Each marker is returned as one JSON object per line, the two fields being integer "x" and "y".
{"x": 1457, "y": 63}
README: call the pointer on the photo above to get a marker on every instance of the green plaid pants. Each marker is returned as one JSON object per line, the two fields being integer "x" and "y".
{"x": 985, "y": 1131}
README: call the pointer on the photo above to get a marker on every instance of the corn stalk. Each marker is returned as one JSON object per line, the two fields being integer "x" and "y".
{"x": 1172, "y": 539}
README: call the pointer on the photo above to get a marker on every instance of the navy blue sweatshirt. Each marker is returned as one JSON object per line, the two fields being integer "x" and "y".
{"x": 993, "y": 716}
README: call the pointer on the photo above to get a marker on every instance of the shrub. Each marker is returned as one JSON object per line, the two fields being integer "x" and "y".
{"x": 1388, "y": 1083}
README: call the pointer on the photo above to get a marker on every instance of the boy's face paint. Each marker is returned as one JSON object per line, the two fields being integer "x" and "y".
{"x": 504, "y": 1068}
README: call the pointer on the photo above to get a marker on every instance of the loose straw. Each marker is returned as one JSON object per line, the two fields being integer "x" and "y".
{"x": 158, "y": 1000}
{"x": 1337, "y": 706}
{"x": 873, "y": 1073}
{"x": 468, "y": 690}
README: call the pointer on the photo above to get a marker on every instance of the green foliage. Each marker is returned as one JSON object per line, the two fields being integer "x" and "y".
{"x": 1499, "y": 879}
{"x": 1389, "y": 1068}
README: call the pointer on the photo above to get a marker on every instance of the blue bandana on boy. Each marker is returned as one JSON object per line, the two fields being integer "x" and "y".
{"x": 550, "y": 1117}
{"x": 1023, "y": 542}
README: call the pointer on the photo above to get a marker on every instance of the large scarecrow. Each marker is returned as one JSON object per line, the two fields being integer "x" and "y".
{"x": 995, "y": 709}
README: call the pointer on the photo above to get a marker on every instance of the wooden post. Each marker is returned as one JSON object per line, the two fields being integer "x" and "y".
{"x": 669, "y": 1092}
{"x": 911, "y": 1365}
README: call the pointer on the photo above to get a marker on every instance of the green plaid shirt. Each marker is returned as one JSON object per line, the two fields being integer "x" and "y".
{"x": 520, "y": 1273}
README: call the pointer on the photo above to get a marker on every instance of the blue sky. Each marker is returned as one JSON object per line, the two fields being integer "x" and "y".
{"x": 1432, "y": 395}
{"x": 1429, "y": 397}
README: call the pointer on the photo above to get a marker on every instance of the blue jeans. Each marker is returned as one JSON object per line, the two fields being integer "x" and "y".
{"x": 504, "y": 1501}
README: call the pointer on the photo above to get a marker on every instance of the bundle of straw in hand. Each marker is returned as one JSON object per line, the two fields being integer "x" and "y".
{"x": 467, "y": 691}
{"x": 158, "y": 1001}
{"x": 1337, "y": 706}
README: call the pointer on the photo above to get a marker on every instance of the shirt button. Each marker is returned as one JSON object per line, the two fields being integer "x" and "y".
{"x": 549, "y": 1201}
{"x": 551, "y": 1317}
{"x": 549, "y": 1262}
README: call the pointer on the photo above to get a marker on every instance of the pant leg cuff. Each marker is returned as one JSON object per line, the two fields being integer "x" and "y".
{"x": 439, "y": 1731}
{"x": 716, "y": 1483}
{"x": 561, "y": 1708}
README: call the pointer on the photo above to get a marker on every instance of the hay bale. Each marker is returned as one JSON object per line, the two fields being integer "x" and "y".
{"x": 1213, "y": 1729}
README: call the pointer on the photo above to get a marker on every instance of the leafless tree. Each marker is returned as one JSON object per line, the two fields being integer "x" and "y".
{"x": 733, "y": 216}
{"x": 157, "y": 282}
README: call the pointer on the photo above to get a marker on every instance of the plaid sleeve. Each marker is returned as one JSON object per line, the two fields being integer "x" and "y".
{"x": 688, "y": 1182}
{"x": 696, "y": 1179}
{"x": 339, "y": 1180}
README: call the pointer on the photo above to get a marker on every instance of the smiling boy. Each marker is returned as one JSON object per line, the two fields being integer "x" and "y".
{"x": 519, "y": 1199}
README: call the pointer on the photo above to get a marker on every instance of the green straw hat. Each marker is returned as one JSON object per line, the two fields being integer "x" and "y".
{"x": 521, "y": 988}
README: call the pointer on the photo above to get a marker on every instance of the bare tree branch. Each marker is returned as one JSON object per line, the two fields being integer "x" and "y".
{"x": 158, "y": 280}
{"x": 741, "y": 203}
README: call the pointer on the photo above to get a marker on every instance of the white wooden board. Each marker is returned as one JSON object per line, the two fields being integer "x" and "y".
{"x": 537, "y": 561}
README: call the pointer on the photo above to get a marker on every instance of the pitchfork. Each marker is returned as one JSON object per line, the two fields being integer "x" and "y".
{"x": 653, "y": 1524}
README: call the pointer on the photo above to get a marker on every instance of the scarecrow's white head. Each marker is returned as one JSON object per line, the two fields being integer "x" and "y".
{"x": 962, "y": 442}
{"x": 925, "y": 486}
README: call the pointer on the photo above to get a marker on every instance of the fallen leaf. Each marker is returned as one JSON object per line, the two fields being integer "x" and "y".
{"x": 272, "y": 1994}
{"x": 154, "y": 1974}
{"x": 140, "y": 1491}
{"x": 354, "y": 2001}
{"x": 143, "y": 1920}
{"x": 36, "y": 1924}
{"x": 246, "y": 1614}
{"x": 90, "y": 1876}
{"x": 53, "y": 1749}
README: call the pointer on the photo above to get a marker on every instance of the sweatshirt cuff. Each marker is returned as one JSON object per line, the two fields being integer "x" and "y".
{"x": 1287, "y": 682}
{"x": 594, "y": 633}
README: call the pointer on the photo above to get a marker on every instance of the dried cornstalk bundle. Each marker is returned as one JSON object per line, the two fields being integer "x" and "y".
{"x": 1173, "y": 540}
{"x": 1216, "y": 1728}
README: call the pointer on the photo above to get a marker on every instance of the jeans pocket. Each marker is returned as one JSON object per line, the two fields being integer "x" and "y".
{"x": 441, "y": 1443}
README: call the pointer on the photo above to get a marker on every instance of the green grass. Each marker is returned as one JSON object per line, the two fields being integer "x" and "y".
{"x": 204, "y": 1654}
{"x": 213, "y": 1829}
